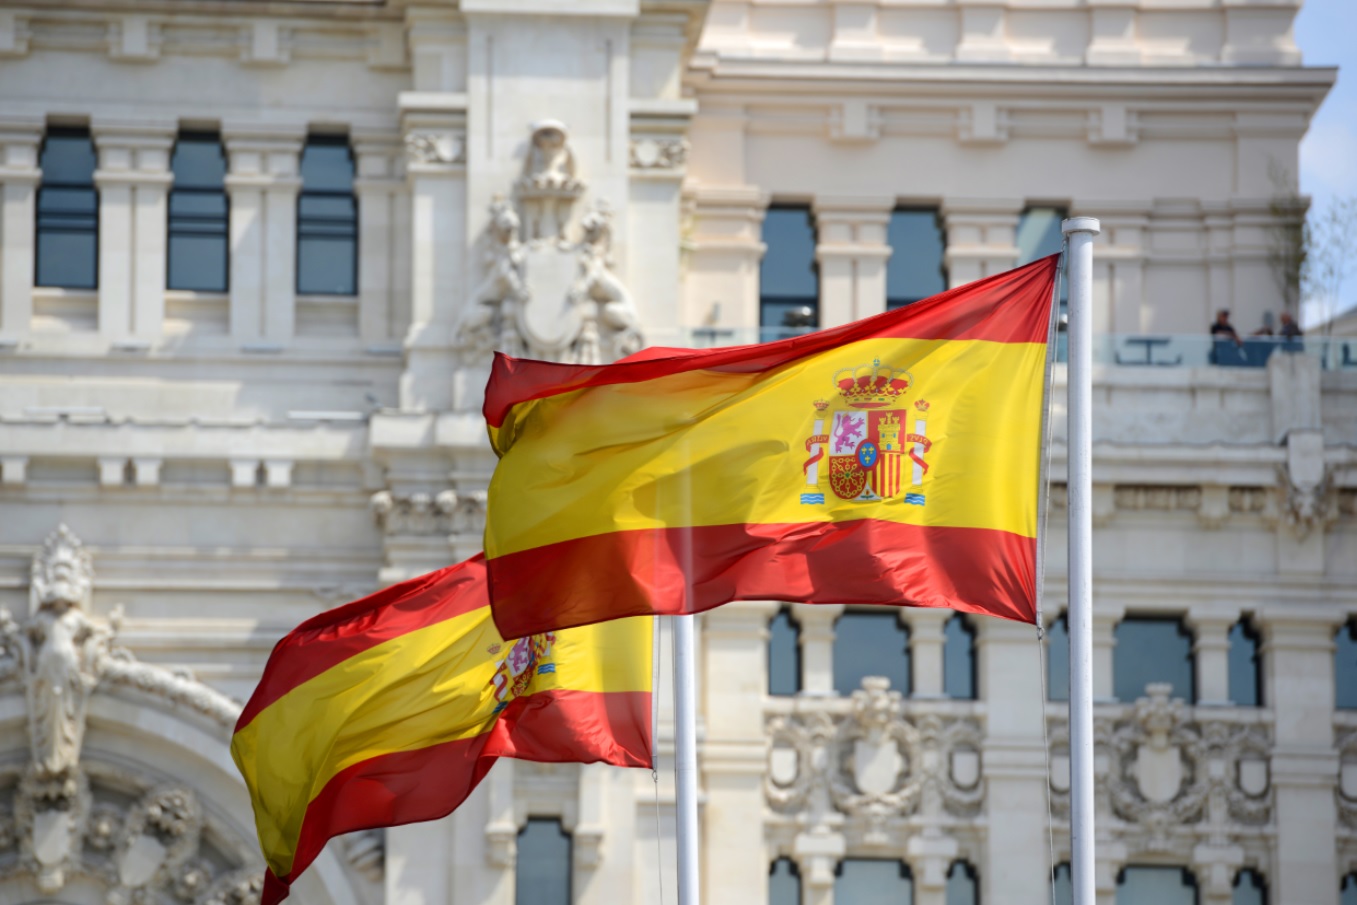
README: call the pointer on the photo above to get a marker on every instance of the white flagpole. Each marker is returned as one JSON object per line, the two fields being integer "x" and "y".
{"x": 1079, "y": 232}
{"x": 685, "y": 759}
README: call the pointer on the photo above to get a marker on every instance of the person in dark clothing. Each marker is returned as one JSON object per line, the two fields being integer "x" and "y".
{"x": 1223, "y": 329}
{"x": 1289, "y": 329}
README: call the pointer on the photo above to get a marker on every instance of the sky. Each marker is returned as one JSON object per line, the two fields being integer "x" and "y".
{"x": 1326, "y": 31}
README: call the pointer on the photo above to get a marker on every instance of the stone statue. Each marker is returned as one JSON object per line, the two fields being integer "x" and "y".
{"x": 606, "y": 302}
{"x": 489, "y": 318}
{"x": 549, "y": 185}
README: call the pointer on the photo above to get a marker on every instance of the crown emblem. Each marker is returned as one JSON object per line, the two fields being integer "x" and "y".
{"x": 921, "y": 405}
{"x": 872, "y": 385}
{"x": 820, "y": 405}
{"x": 493, "y": 649}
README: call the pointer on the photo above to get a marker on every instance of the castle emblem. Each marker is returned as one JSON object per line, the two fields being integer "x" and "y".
{"x": 874, "y": 447}
{"x": 528, "y": 657}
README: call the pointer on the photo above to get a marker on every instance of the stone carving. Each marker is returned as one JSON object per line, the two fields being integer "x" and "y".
{"x": 659, "y": 153}
{"x": 1248, "y": 499}
{"x": 1173, "y": 779}
{"x": 1347, "y": 502}
{"x": 1346, "y": 793}
{"x": 549, "y": 186}
{"x": 1156, "y": 497}
{"x": 875, "y": 764}
{"x": 435, "y": 147}
{"x": 544, "y": 293}
{"x": 366, "y": 852}
{"x": 1306, "y": 500}
{"x": 443, "y": 513}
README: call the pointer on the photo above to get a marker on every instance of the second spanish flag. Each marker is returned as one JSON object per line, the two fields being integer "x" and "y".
{"x": 889, "y": 461}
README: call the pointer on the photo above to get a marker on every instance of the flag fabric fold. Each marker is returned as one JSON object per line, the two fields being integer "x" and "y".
{"x": 389, "y": 710}
{"x": 891, "y": 461}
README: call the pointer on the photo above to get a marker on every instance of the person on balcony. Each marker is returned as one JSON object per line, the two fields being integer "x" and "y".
{"x": 1290, "y": 329}
{"x": 1228, "y": 348}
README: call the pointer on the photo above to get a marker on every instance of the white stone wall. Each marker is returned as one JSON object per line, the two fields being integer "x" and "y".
{"x": 238, "y": 461}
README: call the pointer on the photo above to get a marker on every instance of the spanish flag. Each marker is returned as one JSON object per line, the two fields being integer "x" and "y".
{"x": 389, "y": 710}
{"x": 889, "y": 461}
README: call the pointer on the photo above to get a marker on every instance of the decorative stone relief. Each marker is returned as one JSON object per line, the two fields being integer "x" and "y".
{"x": 443, "y": 513}
{"x": 1248, "y": 499}
{"x": 1173, "y": 779}
{"x": 1306, "y": 500}
{"x": 669, "y": 153}
{"x": 1346, "y": 793}
{"x": 366, "y": 852}
{"x": 544, "y": 293}
{"x": 435, "y": 147}
{"x": 1156, "y": 497}
{"x": 875, "y": 764}
{"x": 60, "y": 828}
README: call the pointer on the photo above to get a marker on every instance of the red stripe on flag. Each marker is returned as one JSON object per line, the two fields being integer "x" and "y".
{"x": 668, "y": 571}
{"x": 1010, "y": 307}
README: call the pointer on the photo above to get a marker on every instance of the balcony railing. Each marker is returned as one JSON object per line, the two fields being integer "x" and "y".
{"x": 1131, "y": 350}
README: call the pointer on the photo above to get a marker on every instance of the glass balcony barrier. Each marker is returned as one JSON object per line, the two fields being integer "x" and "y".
{"x": 1132, "y": 350}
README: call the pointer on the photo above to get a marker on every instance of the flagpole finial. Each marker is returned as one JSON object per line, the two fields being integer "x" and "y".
{"x": 1081, "y": 225}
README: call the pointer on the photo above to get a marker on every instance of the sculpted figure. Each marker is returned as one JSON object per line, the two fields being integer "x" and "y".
{"x": 488, "y": 321}
{"x": 606, "y": 302}
{"x": 549, "y": 185}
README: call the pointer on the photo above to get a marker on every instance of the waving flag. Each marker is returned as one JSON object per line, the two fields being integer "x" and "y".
{"x": 389, "y": 710}
{"x": 889, "y": 461}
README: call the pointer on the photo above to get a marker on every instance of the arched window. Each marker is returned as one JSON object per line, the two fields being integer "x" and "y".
{"x": 1345, "y": 667}
{"x": 1246, "y": 665}
{"x": 1153, "y": 649}
{"x": 1062, "y": 885}
{"x": 197, "y": 223}
{"x": 1249, "y": 888}
{"x": 917, "y": 267}
{"x": 1156, "y": 886}
{"x": 870, "y": 644}
{"x": 958, "y": 659}
{"x": 543, "y": 867}
{"x": 1058, "y": 660}
{"x": 784, "y": 654}
{"x": 784, "y": 883}
{"x": 963, "y": 885}
{"x": 67, "y": 212}
{"x": 789, "y": 280}
{"x": 872, "y": 881}
{"x": 327, "y": 219}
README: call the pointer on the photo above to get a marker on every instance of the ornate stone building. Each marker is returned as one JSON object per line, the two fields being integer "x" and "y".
{"x": 253, "y": 258}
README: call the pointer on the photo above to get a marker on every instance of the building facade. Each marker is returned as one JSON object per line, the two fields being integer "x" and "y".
{"x": 254, "y": 258}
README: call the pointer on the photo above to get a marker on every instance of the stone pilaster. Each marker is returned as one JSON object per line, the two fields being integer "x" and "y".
{"x": 133, "y": 178}
{"x": 981, "y": 237}
{"x": 262, "y": 185}
{"x": 734, "y": 753}
{"x": 19, "y": 178}
{"x": 817, "y": 646}
{"x": 1211, "y": 651}
{"x": 1105, "y": 621}
{"x": 852, "y": 252}
{"x": 926, "y": 641}
{"x": 1298, "y": 649}
{"x": 726, "y": 245}
{"x": 383, "y": 230}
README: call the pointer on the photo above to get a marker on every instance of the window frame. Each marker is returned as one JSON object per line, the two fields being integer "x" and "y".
{"x": 325, "y": 140}
{"x": 901, "y": 626}
{"x": 941, "y": 224}
{"x": 44, "y": 183}
{"x": 519, "y": 893}
{"x": 1184, "y": 631}
{"x": 798, "y": 654}
{"x": 225, "y": 217}
{"x": 1250, "y": 632}
{"x": 813, "y": 301}
{"x": 972, "y": 633}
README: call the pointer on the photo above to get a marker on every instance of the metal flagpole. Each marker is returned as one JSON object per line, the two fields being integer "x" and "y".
{"x": 685, "y": 759}
{"x": 1079, "y": 232}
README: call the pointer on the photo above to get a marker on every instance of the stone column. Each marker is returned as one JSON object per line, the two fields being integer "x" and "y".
{"x": 1013, "y": 763}
{"x": 1211, "y": 651}
{"x": 722, "y": 283}
{"x": 262, "y": 186}
{"x": 981, "y": 236}
{"x": 817, "y": 646}
{"x": 133, "y": 179}
{"x": 852, "y": 253}
{"x": 381, "y": 191}
{"x": 926, "y": 640}
{"x": 1123, "y": 255}
{"x": 735, "y": 752}
{"x": 1298, "y": 651}
{"x": 19, "y": 178}
{"x": 1105, "y": 621}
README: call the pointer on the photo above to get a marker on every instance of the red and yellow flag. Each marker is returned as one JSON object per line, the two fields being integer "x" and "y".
{"x": 889, "y": 461}
{"x": 389, "y": 710}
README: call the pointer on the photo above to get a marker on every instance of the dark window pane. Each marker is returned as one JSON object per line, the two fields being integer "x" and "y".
{"x": 1249, "y": 889}
{"x": 67, "y": 220}
{"x": 784, "y": 883}
{"x": 784, "y": 655}
{"x": 958, "y": 659}
{"x": 1345, "y": 667}
{"x": 1152, "y": 650}
{"x": 962, "y": 886}
{"x": 789, "y": 284}
{"x": 1349, "y": 890}
{"x": 1063, "y": 894}
{"x": 1156, "y": 886}
{"x": 916, "y": 268}
{"x": 1039, "y": 233}
{"x": 542, "y": 870}
{"x": 327, "y": 220}
{"x": 867, "y": 881}
{"x": 325, "y": 266}
{"x": 198, "y": 215}
{"x": 1058, "y": 660}
{"x": 870, "y": 644}
{"x": 1246, "y": 666}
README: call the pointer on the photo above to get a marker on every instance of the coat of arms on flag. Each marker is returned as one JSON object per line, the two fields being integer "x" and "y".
{"x": 876, "y": 445}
